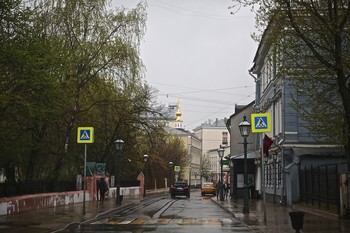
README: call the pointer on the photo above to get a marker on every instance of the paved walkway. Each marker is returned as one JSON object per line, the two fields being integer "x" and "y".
{"x": 278, "y": 220}
{"x": 51, "y": 219}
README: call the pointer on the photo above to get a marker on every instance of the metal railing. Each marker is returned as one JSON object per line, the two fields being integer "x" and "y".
{"x": 319, "y": 186}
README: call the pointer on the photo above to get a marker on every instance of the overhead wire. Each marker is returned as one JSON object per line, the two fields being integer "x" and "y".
{"x": 218, "y": 111}
{"x": 189, "y": 12}
{"x": 186, "y": 94}
{"x": 209, "y": 101}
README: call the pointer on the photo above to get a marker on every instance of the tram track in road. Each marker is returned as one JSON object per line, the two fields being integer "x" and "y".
{"x": 145, "y": 213}
{"x": 144, "y": 208}
{"x": 164, "y": 214}
{"x": 147, "y": 207}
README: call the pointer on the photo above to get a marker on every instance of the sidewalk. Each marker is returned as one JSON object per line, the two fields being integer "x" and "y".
{"x": 57, "y": 218}
{"x": 278, "y": 219}
{"x": 52, "y": 219}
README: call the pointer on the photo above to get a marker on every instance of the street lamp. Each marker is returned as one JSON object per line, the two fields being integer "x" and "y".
{"x": 119, "y": 145}
{"x": 145, "y": 157}
{"x": 244, "y": 128}
{"x": 221, "y": 155}
{"x": 170, "y": 172}
{"x": 231, "y": 177}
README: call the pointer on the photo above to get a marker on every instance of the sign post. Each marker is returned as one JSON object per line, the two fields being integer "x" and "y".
{"x": 85, "y": 135}
{"x": 261, "y": 123}
{"x": 177, "y": 170}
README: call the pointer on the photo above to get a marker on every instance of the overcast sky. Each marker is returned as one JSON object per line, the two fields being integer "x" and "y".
{"x": 196, "y": 51}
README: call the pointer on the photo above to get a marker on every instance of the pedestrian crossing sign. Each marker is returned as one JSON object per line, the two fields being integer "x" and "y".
{"x": 85, "y": 135}
{"x": 261, "y": 122}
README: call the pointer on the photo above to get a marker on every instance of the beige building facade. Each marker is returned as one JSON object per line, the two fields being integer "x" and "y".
{"x": 191, "y": 172}
{"x": 213, "y": 135}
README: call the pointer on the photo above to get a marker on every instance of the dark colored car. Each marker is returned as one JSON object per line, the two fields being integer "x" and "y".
{"x": 180, "y": 188}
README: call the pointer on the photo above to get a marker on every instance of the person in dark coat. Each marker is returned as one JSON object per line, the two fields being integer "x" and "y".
{"x": 251, "y": 187}
{"x": 226, "y": 190}
{"x": 98, "y": 189}
{"x": 218, "y": 189}
{"x": 103, "y": 187}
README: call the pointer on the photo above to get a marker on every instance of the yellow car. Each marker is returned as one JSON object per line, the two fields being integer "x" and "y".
{"x": 208, "y": 188}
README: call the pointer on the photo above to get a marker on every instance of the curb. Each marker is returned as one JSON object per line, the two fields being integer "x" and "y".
{"x": 224, "y": 208}
{"x": 232, "y": 214}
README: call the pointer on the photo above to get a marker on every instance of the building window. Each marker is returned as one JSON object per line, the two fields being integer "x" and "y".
{"x": 279, "y": 180}
{"x": 225, "y": 138}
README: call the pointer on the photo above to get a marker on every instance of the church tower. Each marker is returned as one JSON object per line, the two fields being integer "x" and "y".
{"x": 178, "y": 121}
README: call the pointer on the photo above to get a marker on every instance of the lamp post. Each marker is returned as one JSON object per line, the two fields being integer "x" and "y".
{"x": 119, "y": 145}
{"x": 221, "y": 155}
{"x": 231, "y": 177}
{"x": 145, "y": 157}
{"x": 170, "y": 172}
{"x": 244, "y": 128}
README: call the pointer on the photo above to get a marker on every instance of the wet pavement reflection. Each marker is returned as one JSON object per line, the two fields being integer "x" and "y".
{"x": 278, "y": 220}
{"x": 197, "y": 214}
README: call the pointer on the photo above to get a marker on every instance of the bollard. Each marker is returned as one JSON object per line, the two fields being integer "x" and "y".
{"x": 297, "y": 218}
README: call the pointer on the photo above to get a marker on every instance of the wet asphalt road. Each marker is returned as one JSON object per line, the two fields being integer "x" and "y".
{"x": 164, "y": 214}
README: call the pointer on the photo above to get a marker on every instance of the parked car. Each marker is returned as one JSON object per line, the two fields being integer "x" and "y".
{"x": 208, "y": 188}
{"x": 180, "y": 188}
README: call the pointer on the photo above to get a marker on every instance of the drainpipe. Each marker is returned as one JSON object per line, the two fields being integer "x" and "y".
{"x": 257, "y": 91}
{"x": 251, "y": 74}
{"x": 283, "y": 184}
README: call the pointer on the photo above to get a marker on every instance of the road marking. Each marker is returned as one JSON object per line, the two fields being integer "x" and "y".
{"x": 188, "y": 221}
{"x": 151, "y": 222}
{"x": 226, "y": 221}
{"x": 127, "y": 221}
{"x": 177, "y": 221}
{"x": 165, "y": 221}
{"x": 103, "y": 221}
{"x": 138, "y": 221}
{"x": 114, "y": 220}
{"x": 212, "y": 221}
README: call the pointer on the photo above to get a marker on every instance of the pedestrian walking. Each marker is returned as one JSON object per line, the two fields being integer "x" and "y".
{"x": 226, "y": 190}
{"x": 251, "y": 187}
{"x": 103, "y": 187}
{"x": 218, "y": 190}
{"x": 98, "y": 189}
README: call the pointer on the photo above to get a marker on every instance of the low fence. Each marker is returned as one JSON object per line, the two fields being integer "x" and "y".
{"x": 10, "y": 189}
{"x": 320, "y": 187}
{"x": 13, "y": 205}
{"x": 19, "y": 203}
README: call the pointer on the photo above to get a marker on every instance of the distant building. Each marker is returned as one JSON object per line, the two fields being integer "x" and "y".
{"x": 172, "y": 116}
{"x": 213, "y": 135}
{"x": 174, "y": 126}
{"x": 237, "y": 152}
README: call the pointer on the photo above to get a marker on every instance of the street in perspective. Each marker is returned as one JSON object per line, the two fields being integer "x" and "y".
{"x": 186, "y": 116}
{"x": 165, "y": 214}
{"x": 162, "y": 213}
